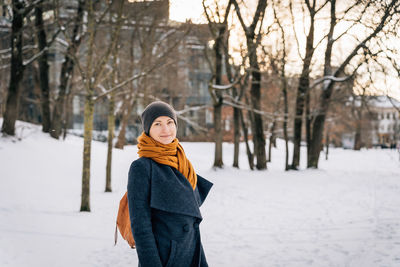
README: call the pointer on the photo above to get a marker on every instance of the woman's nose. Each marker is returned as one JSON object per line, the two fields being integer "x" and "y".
{"x": 164, "y": 127}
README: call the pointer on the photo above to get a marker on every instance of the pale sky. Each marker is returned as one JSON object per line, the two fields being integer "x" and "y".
{"x": 180, "y": 10}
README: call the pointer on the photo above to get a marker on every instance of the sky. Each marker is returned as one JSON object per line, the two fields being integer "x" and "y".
{"x": 181, "y": 10}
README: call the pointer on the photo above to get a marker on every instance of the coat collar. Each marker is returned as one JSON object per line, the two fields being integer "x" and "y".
{"x": 172, "y": 192}
{"x": 202, "y": 188}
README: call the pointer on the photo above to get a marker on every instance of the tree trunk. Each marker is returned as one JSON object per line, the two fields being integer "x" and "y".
{"x": 89, "y": 111}
{"x": 250, "y": 156}
{"x": 124, "y": 123}
{"x": 297, "y": 131}
{"x": 43, "y": 70}
{"x": 318, "y": 126}
{"x": 258, "y": 134}
{"x": 67, "y": 114}
{"x": 17, "y": 70}
{"x": 255, "y": 98}
{"x": 218, "y": 163}
{"x": 272, "y": 141}
{"x": 236, "y": 136}
{"x": 218, "y": 101}
{"x": 327, "y": 143}
{"x": 315, "y": 148}
{"x": 58, "y": 111}
{"x": 285, "y": 135}
{"x": 88, "y": 127}
{"x": 308, "y": 119}
{"x": 357, "y": 138}
{"x": 250, "y": 118}
{"x": 285, "y": 119}
{"x": 111, "y": 126}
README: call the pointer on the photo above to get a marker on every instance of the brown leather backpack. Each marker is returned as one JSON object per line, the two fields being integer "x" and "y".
{"x": 124, "y": 222}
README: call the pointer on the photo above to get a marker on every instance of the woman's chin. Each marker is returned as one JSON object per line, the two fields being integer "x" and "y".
{"x": 165, "y": 140}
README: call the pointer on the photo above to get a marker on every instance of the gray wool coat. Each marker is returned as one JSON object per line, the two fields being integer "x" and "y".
{"x": 165, "y": 215}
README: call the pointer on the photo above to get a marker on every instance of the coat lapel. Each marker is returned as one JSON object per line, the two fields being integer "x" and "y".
{"x": 203, "y": 187}
{"x": 172, "y": 192}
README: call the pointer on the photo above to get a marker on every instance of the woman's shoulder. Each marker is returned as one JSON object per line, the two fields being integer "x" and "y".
{"x": 140, "y": 165}
{"x": 141, "y": 161}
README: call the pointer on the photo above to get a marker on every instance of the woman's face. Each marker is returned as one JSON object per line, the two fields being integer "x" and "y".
{"x": 163, "y": 130}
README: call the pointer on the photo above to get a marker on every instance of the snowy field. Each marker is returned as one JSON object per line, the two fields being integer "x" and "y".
{"x": 347, "y": 213}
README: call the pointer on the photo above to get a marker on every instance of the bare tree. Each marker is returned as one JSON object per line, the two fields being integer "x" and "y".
{"x": 253, "y": 41}
{"x": 73, "y": 41}
{"x": 92, "y": 73}
{"x": 111, "y": 116}
{"x": 284, "y": 85}
{"x": 43, "y": 69}
{"x": 235, "y": 75}
{"x": 331, "y": 77}
{"x": 129, "y": 100}
{"x": 19, "y": 11}
{"x": 304, "y": 79}
{"x": 219, "y": 29}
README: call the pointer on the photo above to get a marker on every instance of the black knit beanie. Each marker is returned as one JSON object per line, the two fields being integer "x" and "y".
{"x": 155, "y": 110}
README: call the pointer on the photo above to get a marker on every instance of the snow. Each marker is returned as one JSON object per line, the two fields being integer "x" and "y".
{"x": 346, "y": 213}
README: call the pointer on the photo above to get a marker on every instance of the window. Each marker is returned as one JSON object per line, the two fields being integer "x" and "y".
{"x": 209, "y": 117}
{"x": 227, "y": 125}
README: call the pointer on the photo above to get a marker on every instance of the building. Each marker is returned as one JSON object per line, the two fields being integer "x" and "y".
{"x": 386, "y": 114}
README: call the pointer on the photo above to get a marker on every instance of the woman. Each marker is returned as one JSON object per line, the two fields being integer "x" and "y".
{"x": 164, "y": 195}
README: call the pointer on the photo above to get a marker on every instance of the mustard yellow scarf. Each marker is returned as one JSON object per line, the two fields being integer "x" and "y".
{"x": 171, "y": 154}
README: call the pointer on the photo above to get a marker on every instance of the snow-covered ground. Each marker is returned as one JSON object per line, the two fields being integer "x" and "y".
{"x": 344, "y": 214}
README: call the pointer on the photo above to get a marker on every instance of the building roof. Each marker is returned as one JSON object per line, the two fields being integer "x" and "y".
{"x": 385, "y": 102}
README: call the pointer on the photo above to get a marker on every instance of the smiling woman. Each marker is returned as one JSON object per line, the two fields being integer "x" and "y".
{"x": 163, "y": 130}
{"x": 164, "y": 195}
